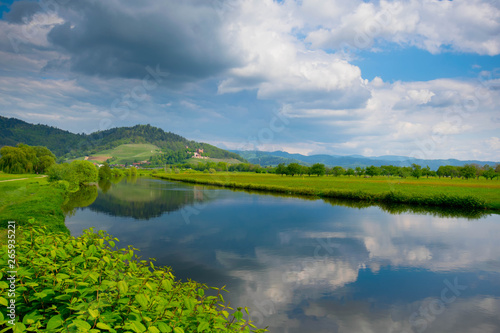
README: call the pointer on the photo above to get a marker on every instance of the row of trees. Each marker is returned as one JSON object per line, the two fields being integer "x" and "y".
{"x": 26, "y": 159}
{"x": 467, "y": 171}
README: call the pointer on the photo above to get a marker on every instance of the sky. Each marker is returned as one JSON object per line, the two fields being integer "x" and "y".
{"x": 341, "y": 77}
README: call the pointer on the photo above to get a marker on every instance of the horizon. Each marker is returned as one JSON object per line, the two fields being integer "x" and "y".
{"x": 282, "y": 151}
{"x": 369, "y": 78}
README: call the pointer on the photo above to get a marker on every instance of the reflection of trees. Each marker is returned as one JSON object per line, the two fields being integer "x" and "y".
{"x": 104, "y": 185}
{"x": 85, "y": 196}
{"x": 149, "y": 203}
{"x": 401, "y": 209}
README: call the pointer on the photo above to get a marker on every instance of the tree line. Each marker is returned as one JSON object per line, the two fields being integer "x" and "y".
{"x": 26, "y": 159}
{"x": 467, "y": 171}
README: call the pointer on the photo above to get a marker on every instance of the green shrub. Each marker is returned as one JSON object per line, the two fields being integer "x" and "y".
{"x": 61, "y": 184}
{"x": 85, "y": 284}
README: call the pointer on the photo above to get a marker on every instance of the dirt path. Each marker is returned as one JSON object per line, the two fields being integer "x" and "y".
{"x": 11, "y": 180}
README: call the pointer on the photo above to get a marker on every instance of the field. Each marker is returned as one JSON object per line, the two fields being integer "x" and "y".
{"x": 127, "y": 153}
{"x": 31, "y": 198}
{"x": 371, "y": 188}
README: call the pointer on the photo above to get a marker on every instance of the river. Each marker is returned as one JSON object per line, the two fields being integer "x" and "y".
{"x": 308, "y": 265}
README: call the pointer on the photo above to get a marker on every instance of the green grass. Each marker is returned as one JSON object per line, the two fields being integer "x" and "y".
{"x": 32, "y": 198}
{"x": 424, "y": 191}
{"x": 8, "y": 176}
{"x": 127, "y": 153}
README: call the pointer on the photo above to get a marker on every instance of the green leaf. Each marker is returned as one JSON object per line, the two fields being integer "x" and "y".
{"x": 3, "y": 301}
{"x": 103, "y": 326}
{"x": 19, "y": 327}
{"x": 153, "y": 329}
{"x": 143, "y": 301}
{"x": 82, "y": 324}
{"x": 167, "y": 285}
{"x": 54, "y": 322}
{"x": 94, "y": 313}
{"x": 203, "y": 326}
{"x": 122, "y": 287}
{"x": 77, "y": 260}
{"x": 111, "y": 243}
{"x": 137, "y": 327}
{"x": 190, "y": 303}
{"x": 178, "y": 330}
{"x": 4, "y": 285}
{"x": 164, "y": 327}
{"x": 238, "y": 315}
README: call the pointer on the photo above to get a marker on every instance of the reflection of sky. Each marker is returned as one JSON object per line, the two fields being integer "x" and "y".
{"x": 312, "y": 267}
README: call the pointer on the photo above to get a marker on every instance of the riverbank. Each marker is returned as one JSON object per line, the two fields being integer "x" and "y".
{"x": 32, "y": 198}
{"x": 456, "y": 193}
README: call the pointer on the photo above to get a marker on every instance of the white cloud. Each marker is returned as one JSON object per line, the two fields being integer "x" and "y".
{"x": 471, "y": 26}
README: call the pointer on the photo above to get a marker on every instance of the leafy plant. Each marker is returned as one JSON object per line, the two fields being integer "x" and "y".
{"x": 86, "y": 284}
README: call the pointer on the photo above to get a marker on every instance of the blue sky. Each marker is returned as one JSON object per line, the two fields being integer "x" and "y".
{"x": 399, "y": 77}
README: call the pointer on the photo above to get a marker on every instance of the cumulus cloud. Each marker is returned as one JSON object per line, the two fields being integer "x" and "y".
{"x": 471, "y": 26}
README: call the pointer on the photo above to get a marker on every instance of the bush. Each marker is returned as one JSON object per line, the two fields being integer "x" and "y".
{"x": 105, "y": 172}
{"x": 68, "y": 284}
{"x": 61, "y": 184}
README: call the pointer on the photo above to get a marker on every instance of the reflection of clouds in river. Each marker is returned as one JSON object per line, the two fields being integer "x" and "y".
{"x": 356, "y": 316}
{"x": 295, "y": 287}
{"x": 433, "y": 244}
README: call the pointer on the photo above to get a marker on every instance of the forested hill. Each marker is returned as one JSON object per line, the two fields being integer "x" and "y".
{"x": 70, "y": 145}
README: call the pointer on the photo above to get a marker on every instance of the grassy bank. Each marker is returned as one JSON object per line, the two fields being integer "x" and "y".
{"x": 32, "y": 198}
{"x": 464, "y": 194}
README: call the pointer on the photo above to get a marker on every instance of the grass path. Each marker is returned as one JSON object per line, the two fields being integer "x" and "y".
{"x": 11, "y": 180}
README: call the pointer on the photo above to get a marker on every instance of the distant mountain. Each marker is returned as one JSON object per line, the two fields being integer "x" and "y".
{"x": 70, "y": 145}
{"x": 352, "y": 161}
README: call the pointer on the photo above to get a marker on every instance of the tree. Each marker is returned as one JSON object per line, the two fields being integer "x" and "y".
{"x": 426, "y": 171}
{"x": 82, "y": 173}
{"x": 318, "y": 169}
{"x": 359, "y": 171}
{"x": 105, "y": 172}
{"x": 350, "y": 172}
{"x": 44, "y": 157}
{"x": 338, "y": 171}
{"x": 489, "y": 173}
{"x": 281, "y": 169}
{"x": 372, "y": 171}
{"x": 416, "y": 171}
{"x": 293, "y": 169}
{"x": 468, "y": 171}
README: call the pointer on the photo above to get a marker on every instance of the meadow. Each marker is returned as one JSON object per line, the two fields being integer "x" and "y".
{"x": 127, "y": 153}
{"x": 423, "y": 191}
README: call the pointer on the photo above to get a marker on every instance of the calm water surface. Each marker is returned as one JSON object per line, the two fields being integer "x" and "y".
{"x": 309, "y": 265}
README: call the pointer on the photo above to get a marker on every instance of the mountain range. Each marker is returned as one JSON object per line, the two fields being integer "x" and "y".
{"x": 274, "y": 158}
{"x": 69, "y": 145}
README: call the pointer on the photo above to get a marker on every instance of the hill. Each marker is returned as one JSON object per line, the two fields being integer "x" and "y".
{"x": 276, "y": 157}
{"x": 67, "y": 145}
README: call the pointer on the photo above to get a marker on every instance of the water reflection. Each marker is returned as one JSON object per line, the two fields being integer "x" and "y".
{"x": 307, "y": 266}
{"x": 84, "y": 197}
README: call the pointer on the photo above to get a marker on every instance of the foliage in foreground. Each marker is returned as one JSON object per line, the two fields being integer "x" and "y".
{"x": 84, "y": 284}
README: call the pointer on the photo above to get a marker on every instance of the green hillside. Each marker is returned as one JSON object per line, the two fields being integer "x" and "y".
{"x": 127, "y": 153}
{"x": 66, "y": 145}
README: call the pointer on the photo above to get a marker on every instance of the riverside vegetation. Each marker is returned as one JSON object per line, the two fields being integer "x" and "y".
{"x": 444, "y": 192}
{"x": 86, "y": 283}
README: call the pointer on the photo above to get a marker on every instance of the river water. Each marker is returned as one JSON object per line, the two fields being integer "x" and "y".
{"x": 305, "y": 265}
